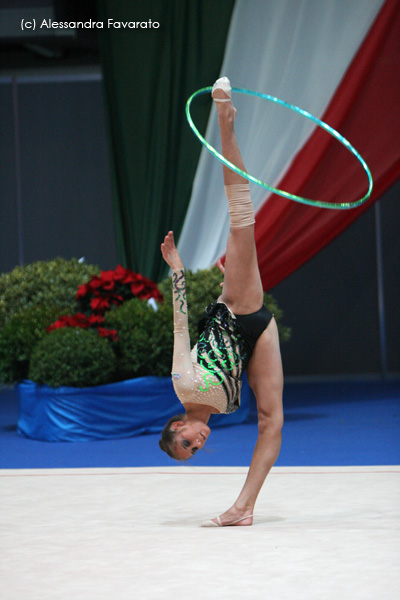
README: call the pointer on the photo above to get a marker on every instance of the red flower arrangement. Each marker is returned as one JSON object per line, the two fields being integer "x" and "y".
{"x": 104, "y": 292}
{"x": 113, "y": 288}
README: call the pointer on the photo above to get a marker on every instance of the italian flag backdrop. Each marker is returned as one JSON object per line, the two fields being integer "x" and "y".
{"x": 337, "y": 60}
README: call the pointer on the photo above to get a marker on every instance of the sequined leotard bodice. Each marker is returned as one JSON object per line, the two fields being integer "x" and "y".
{"x": 211, "y": 373}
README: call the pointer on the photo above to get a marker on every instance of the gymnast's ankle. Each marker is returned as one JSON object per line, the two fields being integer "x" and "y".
{"x": 225, "y": 109}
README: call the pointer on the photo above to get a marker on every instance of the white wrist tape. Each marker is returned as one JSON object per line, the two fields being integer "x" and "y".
{"x": 241, "y": 211}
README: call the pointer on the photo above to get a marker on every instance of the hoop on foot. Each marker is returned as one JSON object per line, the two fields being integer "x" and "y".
{"x": 304, "y": 113}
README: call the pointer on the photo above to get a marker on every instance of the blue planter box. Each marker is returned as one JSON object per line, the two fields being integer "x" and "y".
{"x": 117, "y": 410}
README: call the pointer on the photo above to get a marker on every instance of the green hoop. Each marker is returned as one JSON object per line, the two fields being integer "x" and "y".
{"x": 330, "y": 130}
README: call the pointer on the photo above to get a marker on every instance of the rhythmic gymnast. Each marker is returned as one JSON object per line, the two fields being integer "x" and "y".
{"x": 236, "y": 333}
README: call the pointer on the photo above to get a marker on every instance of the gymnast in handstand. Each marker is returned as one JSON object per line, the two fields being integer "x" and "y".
{"x": 236, "y": 333}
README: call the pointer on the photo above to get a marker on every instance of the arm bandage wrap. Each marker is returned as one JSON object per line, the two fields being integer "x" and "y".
{"x": 241, "y": 211}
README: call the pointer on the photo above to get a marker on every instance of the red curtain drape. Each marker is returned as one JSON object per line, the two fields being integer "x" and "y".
{"x": 365, "y": 109}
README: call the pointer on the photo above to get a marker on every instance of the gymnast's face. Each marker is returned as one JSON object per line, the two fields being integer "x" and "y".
{"x": 189, "y": 438}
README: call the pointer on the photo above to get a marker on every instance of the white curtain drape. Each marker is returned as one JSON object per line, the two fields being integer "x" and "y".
{"x": 297, "y": 51}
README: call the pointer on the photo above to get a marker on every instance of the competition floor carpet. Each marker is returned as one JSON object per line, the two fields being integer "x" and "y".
{"x": 326, "y": 524}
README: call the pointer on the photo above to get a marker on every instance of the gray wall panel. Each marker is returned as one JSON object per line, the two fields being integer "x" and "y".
{"x": 390, "y": 216}
{"x": 65, "y": 183}
{"x": 9, "y": 255}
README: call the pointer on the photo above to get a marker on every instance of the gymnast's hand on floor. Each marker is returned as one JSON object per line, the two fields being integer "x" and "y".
{"x": 170, "y": 253}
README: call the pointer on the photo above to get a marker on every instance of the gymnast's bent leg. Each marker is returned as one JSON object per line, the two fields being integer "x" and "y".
{"x": 243, "y": 293}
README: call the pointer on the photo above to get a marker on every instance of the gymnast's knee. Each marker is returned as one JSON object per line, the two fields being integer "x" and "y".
{"x": 270, "y": 422}
{"x": 270, "y": 409}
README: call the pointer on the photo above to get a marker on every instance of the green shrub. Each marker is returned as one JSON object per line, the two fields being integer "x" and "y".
{"x": 145, "y": 338}
{"x": 73, "y": 357}
{"x": 51, "y": 283}
{"x": 203, "y": 288}
{"x": 19, "y": 336}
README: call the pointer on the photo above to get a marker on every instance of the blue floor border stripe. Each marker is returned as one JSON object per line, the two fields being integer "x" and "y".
{"x": 336, "y": 423}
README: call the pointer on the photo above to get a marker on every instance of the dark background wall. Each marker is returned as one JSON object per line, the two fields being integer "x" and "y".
{"x": 54, "y": 176}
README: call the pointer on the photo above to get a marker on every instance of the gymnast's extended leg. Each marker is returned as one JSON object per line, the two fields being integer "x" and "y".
{"x": 243, "y": 293}
{"x": 242, "y": 290}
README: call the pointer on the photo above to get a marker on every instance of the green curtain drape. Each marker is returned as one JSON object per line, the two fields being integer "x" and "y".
{"x": 148, "y": 75}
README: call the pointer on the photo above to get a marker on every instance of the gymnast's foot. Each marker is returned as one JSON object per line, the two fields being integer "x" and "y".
{"x": 234, "y": 516}
{"x": 221, "y": 94}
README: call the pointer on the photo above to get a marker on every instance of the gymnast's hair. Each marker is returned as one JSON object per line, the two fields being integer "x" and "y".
{"x": 167, "y": 441}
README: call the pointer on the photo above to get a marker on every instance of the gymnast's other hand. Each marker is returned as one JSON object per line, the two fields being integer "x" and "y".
{"x": 170, "y": 253}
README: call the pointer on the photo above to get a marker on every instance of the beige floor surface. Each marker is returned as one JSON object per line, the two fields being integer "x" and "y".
{"x": 319, "y": 533}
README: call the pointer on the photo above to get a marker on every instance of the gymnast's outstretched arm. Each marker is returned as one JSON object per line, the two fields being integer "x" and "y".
{"x": 182, "y": 368}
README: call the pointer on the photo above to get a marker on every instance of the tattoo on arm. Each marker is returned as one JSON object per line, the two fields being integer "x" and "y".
{"x": 179, "y": 289}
